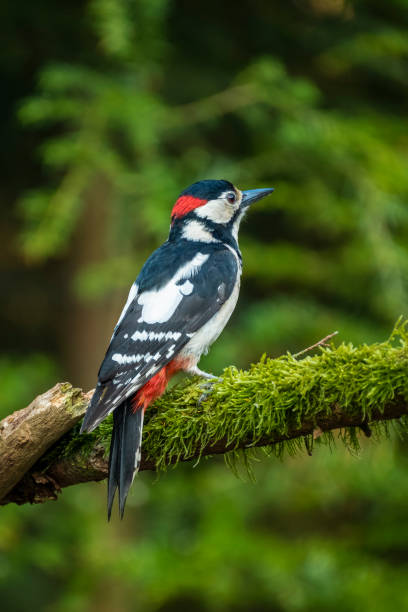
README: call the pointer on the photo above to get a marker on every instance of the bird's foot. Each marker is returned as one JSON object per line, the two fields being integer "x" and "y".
{"x": 208, "y": 388}
{"x": 197, "y": 372}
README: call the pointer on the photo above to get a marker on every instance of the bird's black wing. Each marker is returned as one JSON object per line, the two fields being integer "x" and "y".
{"x": 158, "y": 321}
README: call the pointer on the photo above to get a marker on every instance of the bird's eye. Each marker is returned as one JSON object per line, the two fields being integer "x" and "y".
{"x": 231, "y": 197}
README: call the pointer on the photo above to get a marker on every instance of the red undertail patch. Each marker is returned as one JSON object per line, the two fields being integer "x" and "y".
{"x": 156, "y": 386}
{"x": 186, "y": 204}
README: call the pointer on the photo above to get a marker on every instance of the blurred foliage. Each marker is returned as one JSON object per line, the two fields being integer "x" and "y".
{"x": 20, "y": 376}
{"x": 297, "y": 539}
{"x": 111, "y": 107}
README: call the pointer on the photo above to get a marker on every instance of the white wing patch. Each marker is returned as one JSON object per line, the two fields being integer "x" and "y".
{"x": 159, "y": 306}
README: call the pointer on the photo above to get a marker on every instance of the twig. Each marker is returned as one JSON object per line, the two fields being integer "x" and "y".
{"x": 322, "y": 342}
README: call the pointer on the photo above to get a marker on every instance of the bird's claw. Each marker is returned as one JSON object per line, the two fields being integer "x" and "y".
{"x": 208, "y": 388}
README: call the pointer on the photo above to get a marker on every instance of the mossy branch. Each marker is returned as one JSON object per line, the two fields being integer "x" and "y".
{"x": 279, "y": 404}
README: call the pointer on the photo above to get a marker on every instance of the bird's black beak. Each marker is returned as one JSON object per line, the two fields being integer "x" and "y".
{"x": 253, "y": 195}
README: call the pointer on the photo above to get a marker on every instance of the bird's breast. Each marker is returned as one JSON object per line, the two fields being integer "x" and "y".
{"x": 202, "y": 339}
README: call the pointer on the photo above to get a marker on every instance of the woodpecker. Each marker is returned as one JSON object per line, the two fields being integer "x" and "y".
{"x": 176, "y": 308}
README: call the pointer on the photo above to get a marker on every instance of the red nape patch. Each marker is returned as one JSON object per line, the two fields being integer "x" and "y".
{"x": 186, "y": 204}
{"x": 156, "y": 386}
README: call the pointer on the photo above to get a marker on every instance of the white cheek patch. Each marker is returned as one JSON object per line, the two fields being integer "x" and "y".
{"x": 196, "y": 231}
{"x": 217, "y": 211}
{"x": 159, "y": 306}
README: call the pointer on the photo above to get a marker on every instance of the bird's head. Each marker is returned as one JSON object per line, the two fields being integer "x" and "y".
{"x": 212, "y": 206}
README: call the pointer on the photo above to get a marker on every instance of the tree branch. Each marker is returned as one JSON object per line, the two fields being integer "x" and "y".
{"x": 27, "y": 434}
{"x": 275, "y": 402}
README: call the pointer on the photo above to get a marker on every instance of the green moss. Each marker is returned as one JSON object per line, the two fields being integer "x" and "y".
{"x": 271, "y": 398}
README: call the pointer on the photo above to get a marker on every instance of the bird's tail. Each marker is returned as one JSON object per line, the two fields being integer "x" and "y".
{"x": 124, "y": 457}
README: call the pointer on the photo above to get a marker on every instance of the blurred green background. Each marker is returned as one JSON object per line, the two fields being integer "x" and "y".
{"x": 109, "y": 109}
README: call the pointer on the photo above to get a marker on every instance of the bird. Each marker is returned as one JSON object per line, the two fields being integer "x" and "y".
{"x": 176, "y": 308}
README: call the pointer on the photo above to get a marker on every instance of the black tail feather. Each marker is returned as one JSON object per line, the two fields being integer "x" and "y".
{"x": 114, "y": 454}
{"x": 124, "y": 457}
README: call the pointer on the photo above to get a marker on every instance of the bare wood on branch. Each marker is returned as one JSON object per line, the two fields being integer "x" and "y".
{"x": 25, "y": 435}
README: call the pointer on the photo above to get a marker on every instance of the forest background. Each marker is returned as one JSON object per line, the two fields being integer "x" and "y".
{"x": 109, "y": 108}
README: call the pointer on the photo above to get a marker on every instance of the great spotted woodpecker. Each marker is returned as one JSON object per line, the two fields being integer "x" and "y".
{"x": 176, "y": 308}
